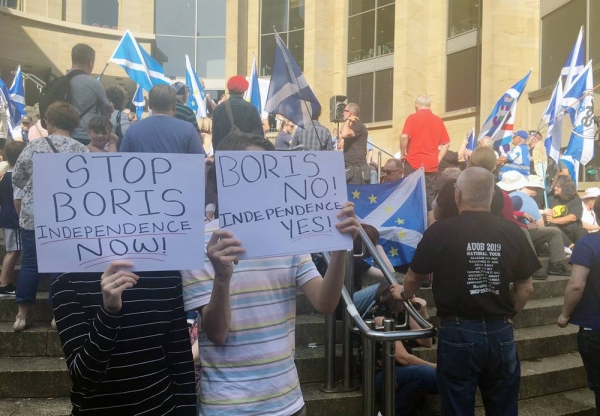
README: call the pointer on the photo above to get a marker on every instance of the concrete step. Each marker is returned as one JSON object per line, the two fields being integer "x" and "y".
{"x": 42, "y": 377}
{"x": 331, "y": 404}
{"x": 550, "y": 375}
{"x": 40, "y": 312}
{"x": 532, "y": 343}
{"x": 37, "y": 340}
{"x": 60, "y": 406}
{"x": 311, "y": 329}
{"x": 536, "y": 312}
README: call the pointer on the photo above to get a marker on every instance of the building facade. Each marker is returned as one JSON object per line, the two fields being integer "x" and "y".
{"x": 380, "y": 53}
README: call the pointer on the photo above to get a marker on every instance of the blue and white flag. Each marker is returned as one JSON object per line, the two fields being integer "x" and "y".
{"x": 289, "y": 93}
{"x": 472, "y": 140}
{"x": 253, "y": 91}
{"x": 575, "y": 62}
{"x": 553, "y": 117}
{"x": 196, "y": 99}
{"x": 399, "y": 212}
{"x": 581, "y": 143}
{"x": 499, "y": 125}
{"x": 572, "y": 166}
{"x": 138, "y": 102}
{"x": 17, "y": 95}
{"x": 139, "y": 65}
{"x": 8, "y": 107}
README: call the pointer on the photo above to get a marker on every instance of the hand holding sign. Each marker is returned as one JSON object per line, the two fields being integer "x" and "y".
{"x": 223, "y": 250}
{"x": 114, "y": 282}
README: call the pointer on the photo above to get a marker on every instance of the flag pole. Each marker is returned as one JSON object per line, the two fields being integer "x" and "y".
{"x": 113, "y": 54}
{"x": 288, "y": 64}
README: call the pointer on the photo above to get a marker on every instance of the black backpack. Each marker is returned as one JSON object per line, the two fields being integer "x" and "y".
{"x": 59, "y": 90}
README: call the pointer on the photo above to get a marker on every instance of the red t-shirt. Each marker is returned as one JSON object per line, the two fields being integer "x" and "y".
{"x": 425, "y": 132}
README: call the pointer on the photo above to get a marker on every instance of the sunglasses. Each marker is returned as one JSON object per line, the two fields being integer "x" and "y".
{"x": 387, "y": 172}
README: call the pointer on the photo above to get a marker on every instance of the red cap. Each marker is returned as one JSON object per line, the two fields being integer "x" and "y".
{"x": 237, "y": 84}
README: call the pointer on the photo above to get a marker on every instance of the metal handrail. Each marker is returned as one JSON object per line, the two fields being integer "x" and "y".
{"x": 380, "y": 148}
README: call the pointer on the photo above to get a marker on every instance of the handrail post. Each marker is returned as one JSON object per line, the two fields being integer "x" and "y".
{"x": 329, "y": 384}
{"x": 379, "y": 166}
{"x": 349, "y": 384}
{"x": 389, "y": 370}
{"x": 368, "y": 372}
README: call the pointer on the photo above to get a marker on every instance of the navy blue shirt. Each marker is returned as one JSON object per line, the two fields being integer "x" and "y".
{"x": 587, "y": 253}
{"x": 161, "y": 134}
{"x": 8, "y": 214}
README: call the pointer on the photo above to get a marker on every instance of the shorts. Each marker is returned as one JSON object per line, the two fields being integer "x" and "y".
{"x": 12, "y": 239}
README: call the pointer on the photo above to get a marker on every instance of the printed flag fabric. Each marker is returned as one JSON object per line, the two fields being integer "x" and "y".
{"x": 399, "y": 212}
{"x": 253, "y": 92}
{"x": 553, "y": 117}
{"x": 196, "y": 98}
{"x": 8, "y": 107}
{"x": 581, "y": 143}
{"x": 138, "y": 102}
{"x": 17, "y": 95}
{"x": 472, "y": 140}
{"x": 289, "y": 93}
{"x": 138, "y": 63}
{"x": 575, "y": 62}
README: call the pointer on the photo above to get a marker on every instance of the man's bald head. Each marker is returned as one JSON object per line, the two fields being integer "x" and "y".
{"x": 475, "y": 188}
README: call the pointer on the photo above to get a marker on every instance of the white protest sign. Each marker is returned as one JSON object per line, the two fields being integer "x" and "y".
{"x": 282, "y": 203}
{"x": 93, "y": 208}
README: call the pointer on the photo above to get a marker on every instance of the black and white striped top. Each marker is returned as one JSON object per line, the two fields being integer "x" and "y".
{"x": 138, "y": 362}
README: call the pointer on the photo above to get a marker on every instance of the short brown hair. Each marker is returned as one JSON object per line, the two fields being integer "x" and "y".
{"x": 81, "y": 54}
{"x": 100, "y": 124}
{"x": 373, "y": 235}
{"x": 162, "y": 98}
{"x": 117, "y": 95}
{"x": 13, "y": 150}
{"x": 63, "y": 116}
{"x": 568, "y": 191}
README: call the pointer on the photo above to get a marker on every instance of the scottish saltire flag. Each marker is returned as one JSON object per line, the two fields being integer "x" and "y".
{"x": 499, "y": 124}
{"x": 399, "y": 212}
{"x": 253, "y": 92}
{"x": 289, "y": 93}
{"x": 553, "y": 117}
{"x": 196, "y": 99}
{"x": 8, "y": 107}
{"x": 139, "y": 65}
{"x": 581, "y": 143}
{"x": 471, "y": 140}
{"x": 138, "y": 102}
{"x": 17, "y": 95}
{"x": 572, "y": 166}
{"x": 575, "y": 62}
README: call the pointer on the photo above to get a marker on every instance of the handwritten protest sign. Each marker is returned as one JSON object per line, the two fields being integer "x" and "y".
{"x": 282, "y": 203}
{"x": 91, "y": 209}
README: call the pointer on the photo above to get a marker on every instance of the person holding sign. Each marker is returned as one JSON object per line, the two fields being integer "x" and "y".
{"x": 125, "y": 341}
{"x": 247, "y": 310}
{"x": 61, "y": 120}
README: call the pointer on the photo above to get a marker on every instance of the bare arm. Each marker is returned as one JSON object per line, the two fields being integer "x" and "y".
{"x": 403, "y": 145}
{"x": 567, "y": 219}
{"x": 18, "y": 206}
{"x": 573, "y": 292}
{"x": 405, "y": 358}
{"x": 520, "y": 293}
{"x": 590, "y": 227}
{"x": 347, "y": 132}
{"x": 443, "y": 149}
{"x": 412, "y": 283}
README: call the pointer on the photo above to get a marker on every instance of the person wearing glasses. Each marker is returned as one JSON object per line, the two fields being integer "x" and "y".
{"x": 355, "y": 136}
{"x": 392, "y": 171}
{"x": 284, "y": 138}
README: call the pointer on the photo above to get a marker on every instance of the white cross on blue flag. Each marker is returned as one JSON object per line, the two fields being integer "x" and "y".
{"x": 17, "y": 95}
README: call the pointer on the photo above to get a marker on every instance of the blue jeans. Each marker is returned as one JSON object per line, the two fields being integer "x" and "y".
{"x": 475, "y": 353}
{"x": 364, "y": 298}
{"x": 588, "y": 343}
{"x": 413, "y": 383}
{"x": 28, "y": 275}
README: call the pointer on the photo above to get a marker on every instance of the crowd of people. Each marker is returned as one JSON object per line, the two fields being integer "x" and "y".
{"x": 488, "y": 224}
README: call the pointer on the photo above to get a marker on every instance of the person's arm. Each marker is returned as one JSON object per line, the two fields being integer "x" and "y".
{"x": 590, "y": 227}
{"x": 405, "y": 358}
{"x": 222, "y": 251}
{"x": 179, "y": 355}
{"x": 347, "y": 132}
{"x": 88, "y": 345}
{"x": 421, "y": 306}
{"x": 567, "y": 219}
{"x": 17, "y": 197}
{"x": 520, "y": 293}
{"x": 412, "y": 283}
{"x": 403, "y": 146}
{"x": 104, "y": 105}
{"x": 324, "y": 293}
{"x": 18, "y": 206}
{"x": 463, "y": 148}
{"x": 442, "y": 152}
{"x": 23, "y": 168}
{"x": 112, "y": 142}
{"x": 573, "y": 293}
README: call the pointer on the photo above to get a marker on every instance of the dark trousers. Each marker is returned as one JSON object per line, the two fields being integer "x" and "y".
{"x": 588, "y": 342}
{"x": 570, "y": 233}
{"x": 474, "y": 353}
{"x": 430, "y": 183}
{"x": 358, "y": 174}
{"x": 28, "y": 275}
{"x": 414, "y": 382}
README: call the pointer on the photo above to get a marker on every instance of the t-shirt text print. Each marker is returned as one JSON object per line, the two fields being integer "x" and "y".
{"x": 483, "y": 275}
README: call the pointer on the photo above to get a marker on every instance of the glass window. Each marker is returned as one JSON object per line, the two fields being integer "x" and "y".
{"x": 385, "y": 30}
{"x": 288, "y": 18}
{"x": 211, "y": 18}
{"x": 361, "y": 37}
{"x": 174, "y": 49}
{"x": 173, "y": 17}
{"x": 384, "y": 95}
{"x": 211, "y": 58}
{"x": 274, "y": 13}
{"x": 101, "y": 13}
{"x": 594, "y": 40}
{"x": 296, "y": 46}
{"x": 559, "y": 32}
{"x": 463, "y": 16}
{"x": 267, "y": 54}
{"x": 463, "y": 79}
{"x": 360, "y": 91}
{"x": 13, "y": 4}
{"x": 359, "y": 6}
{"x": 296, "y": 15}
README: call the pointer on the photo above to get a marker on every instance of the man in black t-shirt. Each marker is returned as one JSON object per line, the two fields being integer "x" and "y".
{"x": 355, "y": 135}
{"x": 474, "y": 257}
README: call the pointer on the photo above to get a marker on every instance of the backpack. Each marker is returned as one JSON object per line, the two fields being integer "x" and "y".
{"x": 59, "y": 90}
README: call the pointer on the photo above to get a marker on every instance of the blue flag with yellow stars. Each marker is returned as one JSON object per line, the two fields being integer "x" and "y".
{"x": 399, "y": 212}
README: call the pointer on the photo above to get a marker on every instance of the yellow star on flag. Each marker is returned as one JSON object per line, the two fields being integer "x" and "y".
{"x": 373, "y": 199}
{"x": 355, "y": 194}
{"x": 393, "y": 252}
{"x": 388, "y": 209}
{"x": 400, "y": 221}
{"x": 401, "y": 234}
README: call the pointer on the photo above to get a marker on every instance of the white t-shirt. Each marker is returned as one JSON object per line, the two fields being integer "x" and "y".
{"x": 588, "y": 216}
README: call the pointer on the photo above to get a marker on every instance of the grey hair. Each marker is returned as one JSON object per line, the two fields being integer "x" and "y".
{"x": 353, "y": 108}
{"x": 396, "y": 163}
{"x": 423, "y": 101}
{"x": 161, "y": 98}
{"x": 449, "y": 174}
{"x": 476, "y": 186}
{"x": 486, "y": 141}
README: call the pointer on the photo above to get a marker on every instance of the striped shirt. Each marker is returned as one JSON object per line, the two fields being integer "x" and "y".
{"x": 183, "y": 112}
{"x": 136, "y": 362}
{"x": 314, "y": 136}
{"x": 253, "y": 373}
